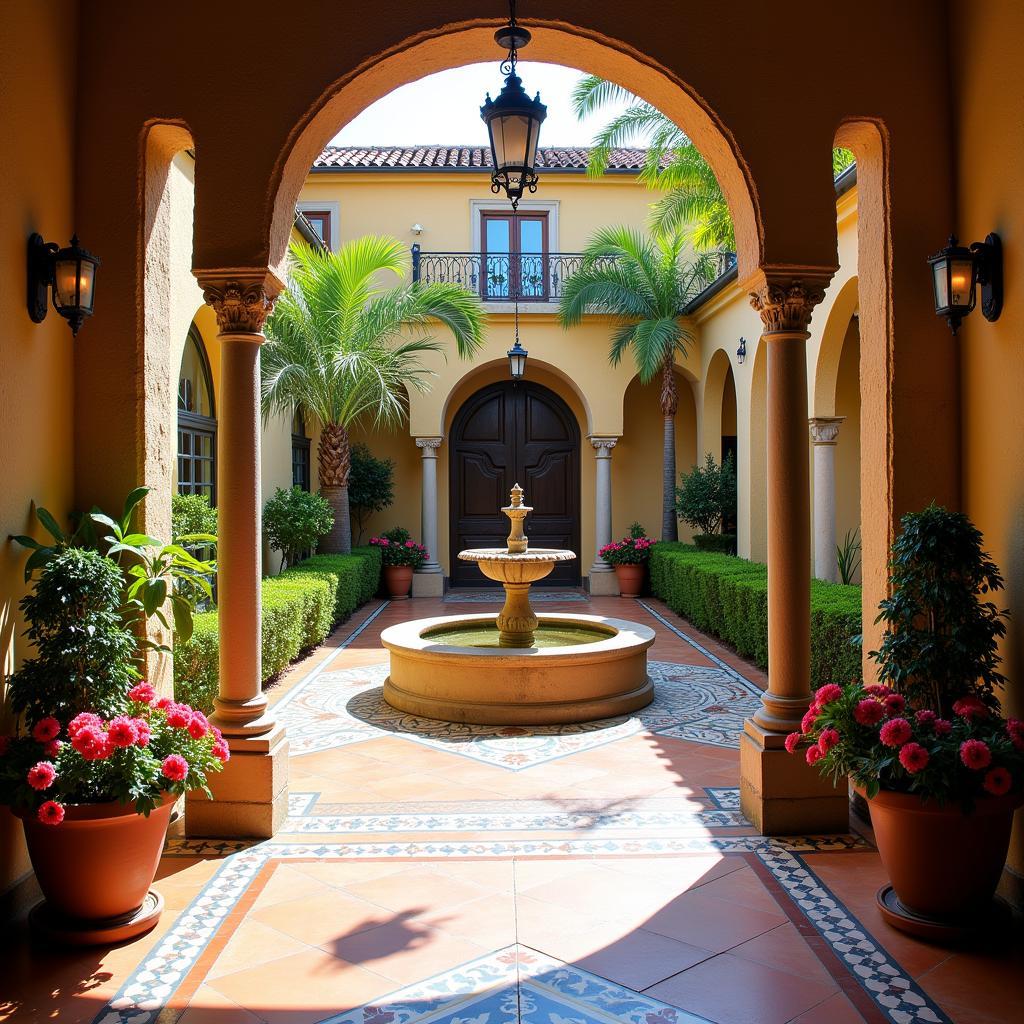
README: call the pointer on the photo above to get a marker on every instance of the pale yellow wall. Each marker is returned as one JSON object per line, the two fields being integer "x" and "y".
{"x": 398, "y": 446}
{"x": 848, "y": 443}
{"x": 38, "y": 65}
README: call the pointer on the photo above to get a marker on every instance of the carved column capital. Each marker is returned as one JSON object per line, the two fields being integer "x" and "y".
{"x": 603, "y": 445}
{"x": 429, "y": 446}
{"x": 785, "y": 303}
{"x": 825, "y": 429}
{"x": 241, "y": 299}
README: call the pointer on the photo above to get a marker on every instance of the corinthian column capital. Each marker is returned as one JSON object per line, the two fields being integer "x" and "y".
{"x": 429, "y": 444}
{"x": 825, "y": 429}
{"x": 241, "y": 299}
{"x": 785, "y": 302}
{"x": 603, "y": 445}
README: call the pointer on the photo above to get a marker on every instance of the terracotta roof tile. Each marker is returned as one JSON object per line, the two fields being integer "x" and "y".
{"x": 440, "y": 157}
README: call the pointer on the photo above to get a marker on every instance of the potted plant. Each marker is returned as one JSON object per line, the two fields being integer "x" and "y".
{"x": 942, "y": 770}
{"x": 401, "y": 557}
{"x": 629, "y": 558}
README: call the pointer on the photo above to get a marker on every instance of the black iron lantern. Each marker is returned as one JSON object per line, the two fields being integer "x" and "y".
{"x": 66, "y": 276}
{"x": 741, "y": 352}
{"x": 956, "y": 272}
{"x": 517, "y": 361}
{"x": 513, "y": 121}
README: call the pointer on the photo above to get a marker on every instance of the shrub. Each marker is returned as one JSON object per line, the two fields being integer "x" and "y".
{"x": 300, "y": 607}
{"x": 723, "y": 543}
{"x": 191, "y": 513}
{"x": 706, "y": 496}
{"x": 294, "y": 521}
{"x": 728, "y": 597}
{"x": 371, "y": 486}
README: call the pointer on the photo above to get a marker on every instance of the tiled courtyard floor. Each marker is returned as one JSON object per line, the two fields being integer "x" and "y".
{"x": 432, "y": 874}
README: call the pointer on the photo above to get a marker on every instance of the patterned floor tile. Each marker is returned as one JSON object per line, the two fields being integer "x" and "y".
{"x": 335, "y": 709}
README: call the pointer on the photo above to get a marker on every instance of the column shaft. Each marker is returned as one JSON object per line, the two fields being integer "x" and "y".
{"x": 601, "y": 574}
{"x": 428, "y": 581}
{"x": 824, "y": 432}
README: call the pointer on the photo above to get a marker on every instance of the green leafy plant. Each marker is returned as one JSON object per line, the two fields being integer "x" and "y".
{"x": 848, "y": 556}
{"x": 706, "y": 496}
{"x": 632, "y": 550}
{"x": 192, "y": 513}
{"x": 371, "y": 486}
{"x": 294, "y": 521}
{"x": 398, "y": 548}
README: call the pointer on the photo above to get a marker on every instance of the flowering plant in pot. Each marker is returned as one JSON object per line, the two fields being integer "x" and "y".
{"x": 97, "y": 759}
{"x": 401, "y": 557}
{"x": 927, "y": 745}
{"x": 629, "y": 558}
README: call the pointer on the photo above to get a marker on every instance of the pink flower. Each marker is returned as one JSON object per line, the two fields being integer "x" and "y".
{"x": 810, "y": 717}
{"x": 1015, "y": 730}
{"x": 828, "y": 693}
{"x": 410, "y": 544}
{"x": 895, "y": 732}
{"x": 52, "y": 749}
{"x": 199, "y": 726}
{"x": 868, "y": 712}
{"x": 942, "y": 727}
{"x": 142, "y": 693}
{"x": 894, "y": 704}
{"x": 828, "y": 739}
{"x": 92, "y": 743}
{"x": 792, "y": 741}
{"x": 174, "y": 767}
{"x": 975, "y": 754}
{"x": 46, "y": 729}
{"x": 998, "y": 782}
{"x": 51, "y": 813}
{"x": 925, "y": 718}
{"x": 41, "y": 775}
{"x": 913, "y": 757}
{"x": 179, "y": 716}
{"x": 814, "y": 754}
{"x": 221, "y": 751}
{"x": 142, "y": 732}
{"x": 85, "y": 720}
{"x": 122, "y": 731}
{"x": 877, "y": 690}
{"x": 970, "y": 708}
{"x": 163, "y": 703}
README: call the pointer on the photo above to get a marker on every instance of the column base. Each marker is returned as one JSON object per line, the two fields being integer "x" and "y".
{"x": 428, "y": 582}
{"x": 250, "y": 796}
{"x": 603, "y": 582}
{"x": 780, "y": 794}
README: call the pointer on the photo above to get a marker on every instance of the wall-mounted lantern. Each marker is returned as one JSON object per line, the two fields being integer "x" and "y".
{"x": 517, "y": 361}
{"x": 956, "y": 272}
{"x": 513, "y": 120}
{"x": 417, "y": 229}
{"x": 741, "y": 352}
{"x": 69, "y": 273}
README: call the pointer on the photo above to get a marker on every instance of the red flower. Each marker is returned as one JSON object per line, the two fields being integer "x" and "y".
{"x": 163, "y": 703}
{"x": 925, "y": 718}
{"x": 179, "y": 716}
{"x": 913, "y": 757}
{"x": 52, "y": 749}
{"x": 970, "y": 708}
{"x": 41, "y": 775}
{"x": 998, "y": 782}
{"x": 792, "y": 741}
{"x": 868, "y": 712}
{"x": 975, "y": 754}
{"x": 894, "y": 704}
{"x": 942, "y": 727}
{"x": 122, "y": 731}
{"x": 810, "y": 717}
{"x": 142, "y": 732}
{"x": 83, "y": 721}
{"x": 92, "y": 743}
{"x": 814, "y": 754}
{"x": 1015, "y": 730}
{"x": 827, "y": 693}
{"x": 895, "y": 732}
{"x": 142, "y": 693}
{"x": 199, "y": 726}
{"x": 46, "y": 729}
{"x": 828, "y": 739}
{"x": 221, "y": 751}
{"x": 174, "y": 767}
{"x": 877, "y": 690}
{"x": 51, "y": 813}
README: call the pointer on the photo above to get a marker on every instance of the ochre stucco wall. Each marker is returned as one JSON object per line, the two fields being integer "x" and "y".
{"x": 37, "y": 94}
{"x": 991, "y": 187}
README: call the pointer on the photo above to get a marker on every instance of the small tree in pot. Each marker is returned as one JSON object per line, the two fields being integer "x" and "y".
{"x": 927, "y": 745}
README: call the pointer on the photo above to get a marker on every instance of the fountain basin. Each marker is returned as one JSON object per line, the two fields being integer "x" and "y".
{"x": 445, "y": 668}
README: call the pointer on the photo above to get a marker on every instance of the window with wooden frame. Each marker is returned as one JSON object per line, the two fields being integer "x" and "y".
{"x": 514, "y": 255}
{"x": 197, "y": 421}
{"x": 320, "y": 221}
{"x": 301, "y": 469}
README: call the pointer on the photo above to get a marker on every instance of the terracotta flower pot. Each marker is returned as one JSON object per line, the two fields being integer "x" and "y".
{"x": 631, "y": 579}
{"x": 398, "y": 581}
{"x": 96, "y": 867}
{"x": 944, "y": 864}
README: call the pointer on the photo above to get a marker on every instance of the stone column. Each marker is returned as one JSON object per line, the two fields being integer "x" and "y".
{"x": 602, "y": 576}
{"x": 824, "y": 432}
{"x": 779, "y": 792}
{"x": 251, "y": 794}
{"x": 429, "y": 581}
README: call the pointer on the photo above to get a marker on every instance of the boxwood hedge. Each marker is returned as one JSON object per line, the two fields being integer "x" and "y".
{"x": 300, "y": 608}
{"x": 728, "y": 598}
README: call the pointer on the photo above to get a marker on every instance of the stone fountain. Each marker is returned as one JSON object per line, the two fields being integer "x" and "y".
{"x": 521, "y": 668}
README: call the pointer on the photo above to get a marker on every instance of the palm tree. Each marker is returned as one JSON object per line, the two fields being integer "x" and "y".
{"x": 643, "y": 282}
{"x": 692, "y": 201}
{"x": 343, "y": 349}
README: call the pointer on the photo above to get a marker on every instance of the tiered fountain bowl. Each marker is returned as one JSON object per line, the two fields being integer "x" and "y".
{"x": 521, "y": 668}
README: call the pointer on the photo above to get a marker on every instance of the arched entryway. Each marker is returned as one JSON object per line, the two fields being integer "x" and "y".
{"x": 510, "y": 433}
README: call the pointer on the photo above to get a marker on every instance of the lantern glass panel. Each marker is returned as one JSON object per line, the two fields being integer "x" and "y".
{"x": 74, "y": 280}
{"x": 961, "y": 282}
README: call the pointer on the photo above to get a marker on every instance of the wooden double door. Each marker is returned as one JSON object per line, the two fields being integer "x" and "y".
{"x": 506, "y": 434}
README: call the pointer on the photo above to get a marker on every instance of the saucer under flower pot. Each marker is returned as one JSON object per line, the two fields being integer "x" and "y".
{"x": 987, "y": 923}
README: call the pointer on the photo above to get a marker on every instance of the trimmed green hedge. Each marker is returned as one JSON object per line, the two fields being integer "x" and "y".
{"x": 300, "y": 608}
{"x": 728, "y": 598}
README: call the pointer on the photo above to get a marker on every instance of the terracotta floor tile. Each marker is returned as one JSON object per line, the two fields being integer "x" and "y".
{"x": 286, "y": 883}
{"x": 836, "y": 1009}
{"x": 730, "y": 990}
{"x": 208, "y": 1006}
{"x": 596, "y": 890}
{"x": 488, "y": 922}
{"x": 642, "y": 958}
{"x": 784, "y": 949}
{"x": 742, "y": 887}
{"x": 324, "y": 917}
{"x": 252, "y": 944}
{"x": 686, "y": 872}
{"x": 342, "y": 873}
{"x": 982, "y": 987}
{"x": 416, "y": 891}
{"x": 711, "y": 923}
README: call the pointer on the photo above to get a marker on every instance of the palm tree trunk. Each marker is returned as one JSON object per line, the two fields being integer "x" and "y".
{"x": 669, "y": 401}
{"x": 334, "y": 456}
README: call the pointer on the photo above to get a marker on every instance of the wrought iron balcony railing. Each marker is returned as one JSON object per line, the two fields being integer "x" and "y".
{"x": 497, "y": 277}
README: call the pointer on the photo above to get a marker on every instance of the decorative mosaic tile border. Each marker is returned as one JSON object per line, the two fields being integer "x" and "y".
{"x": 725, "y": 798}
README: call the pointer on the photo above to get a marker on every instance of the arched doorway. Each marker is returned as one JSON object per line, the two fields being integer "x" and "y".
{"x": 514, "y": 433}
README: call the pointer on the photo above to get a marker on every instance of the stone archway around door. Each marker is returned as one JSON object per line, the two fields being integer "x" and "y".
{"x": 504, "y": 434}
